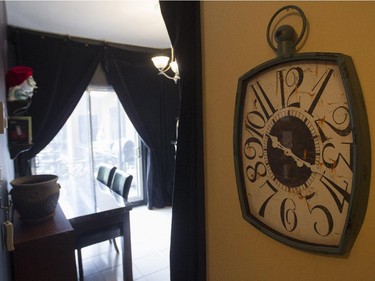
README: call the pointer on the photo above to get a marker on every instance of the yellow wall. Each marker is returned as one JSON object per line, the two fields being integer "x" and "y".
{"x": 233, "y": 37}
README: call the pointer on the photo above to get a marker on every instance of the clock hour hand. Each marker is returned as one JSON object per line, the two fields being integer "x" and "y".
{"x": 288, "y": 152}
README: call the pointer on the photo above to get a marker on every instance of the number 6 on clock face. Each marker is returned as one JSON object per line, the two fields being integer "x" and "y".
{"x": 302, "y": 151}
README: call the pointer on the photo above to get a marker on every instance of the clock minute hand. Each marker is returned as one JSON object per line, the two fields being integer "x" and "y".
{"x": 301, "y": 162}
{"x": 288, "y": 152}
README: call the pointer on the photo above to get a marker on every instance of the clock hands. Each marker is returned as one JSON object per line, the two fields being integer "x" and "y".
{"x": 288, "y": 152}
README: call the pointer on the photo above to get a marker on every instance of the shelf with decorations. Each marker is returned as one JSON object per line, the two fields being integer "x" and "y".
{"x": 20, "y": 86}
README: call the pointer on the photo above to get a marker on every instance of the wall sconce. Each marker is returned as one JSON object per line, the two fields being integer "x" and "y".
{"x": 161, "y": 63}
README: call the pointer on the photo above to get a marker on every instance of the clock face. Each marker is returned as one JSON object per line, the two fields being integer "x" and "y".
{"x": 296, "y": 153}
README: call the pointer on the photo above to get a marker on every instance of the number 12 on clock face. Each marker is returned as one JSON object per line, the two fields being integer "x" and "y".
{"x": 296, "y": 151}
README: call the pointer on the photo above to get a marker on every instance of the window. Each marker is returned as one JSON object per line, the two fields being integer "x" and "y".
{"x": 98, "y": 131}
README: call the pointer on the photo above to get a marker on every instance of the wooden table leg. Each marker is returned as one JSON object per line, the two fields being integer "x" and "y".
{"x": 127, "y": 250}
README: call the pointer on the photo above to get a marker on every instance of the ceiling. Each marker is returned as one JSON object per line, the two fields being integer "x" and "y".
{"x": 129, "y": 22}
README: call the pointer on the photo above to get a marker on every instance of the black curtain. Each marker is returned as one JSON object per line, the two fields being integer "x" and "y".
{"x": 187, "y": 254}
{"x": 152, "y": 104}
{"x": 63, "y": 69}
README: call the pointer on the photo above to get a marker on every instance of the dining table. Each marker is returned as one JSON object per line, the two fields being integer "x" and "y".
{"x": 97, "y": 214}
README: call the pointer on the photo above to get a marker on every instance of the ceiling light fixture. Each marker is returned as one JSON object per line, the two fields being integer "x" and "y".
{"x": 162, "y": 63}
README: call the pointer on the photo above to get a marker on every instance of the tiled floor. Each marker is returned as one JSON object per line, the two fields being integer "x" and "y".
{"x": 150, "y": 234}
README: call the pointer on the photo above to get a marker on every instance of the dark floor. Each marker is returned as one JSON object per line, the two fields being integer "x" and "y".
{"x": 150, "y": 234}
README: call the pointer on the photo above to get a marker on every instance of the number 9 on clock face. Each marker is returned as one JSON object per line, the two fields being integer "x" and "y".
{"x": 296, "y": 152}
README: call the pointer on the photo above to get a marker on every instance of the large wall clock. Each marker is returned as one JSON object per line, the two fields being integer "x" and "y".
{"x": 302, "y": 150}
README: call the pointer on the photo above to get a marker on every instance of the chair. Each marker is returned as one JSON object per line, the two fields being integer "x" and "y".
{"x": 121, "y": 185}
{"x": 105, "y": 174}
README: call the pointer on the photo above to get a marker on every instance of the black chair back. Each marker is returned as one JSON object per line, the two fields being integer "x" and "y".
{"x": 105, "y": 174}
{"x": 121, "y": 183}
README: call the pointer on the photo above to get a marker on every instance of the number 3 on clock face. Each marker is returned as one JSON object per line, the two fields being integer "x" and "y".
{"x": 301, "y": 146}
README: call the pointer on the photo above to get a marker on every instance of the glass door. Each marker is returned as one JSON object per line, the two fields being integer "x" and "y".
{"x": 98, "y": 131}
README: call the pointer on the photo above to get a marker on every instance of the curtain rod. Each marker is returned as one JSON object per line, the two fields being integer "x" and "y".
{"x": 88, "y": 41}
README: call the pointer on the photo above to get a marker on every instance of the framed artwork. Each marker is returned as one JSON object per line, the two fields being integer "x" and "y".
{"x": 19, "y": 130}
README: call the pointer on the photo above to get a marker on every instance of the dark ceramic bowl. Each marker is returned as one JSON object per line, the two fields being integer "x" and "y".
{"x": 35, "y": 197}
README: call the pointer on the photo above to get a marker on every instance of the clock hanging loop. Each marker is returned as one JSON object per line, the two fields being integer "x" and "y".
{"x": 285, "y": 35}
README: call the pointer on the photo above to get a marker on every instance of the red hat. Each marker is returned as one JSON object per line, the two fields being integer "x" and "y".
{"x": 16, "y": 75}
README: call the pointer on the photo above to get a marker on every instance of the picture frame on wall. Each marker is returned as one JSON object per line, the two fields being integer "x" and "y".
{"x": 19, "y": 130}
